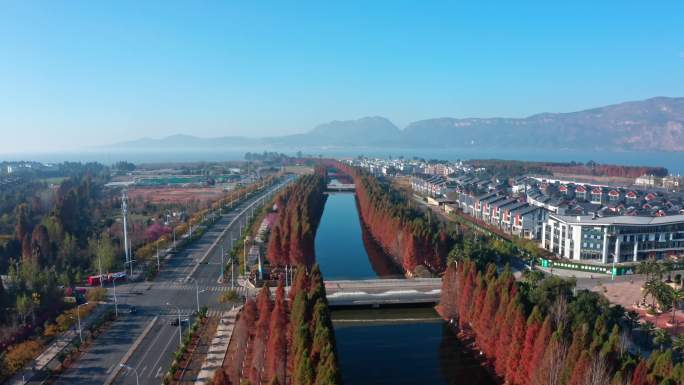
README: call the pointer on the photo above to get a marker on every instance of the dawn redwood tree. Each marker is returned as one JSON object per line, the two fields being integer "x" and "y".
{"x": 316, "y": 285}
{"x": 516, "y": 347}
{"x": 448, "y": 302}
{"x": 465, "y": 299}
{"x": 261, "y": 336}
{"x": 485, "y": 322}
{"x": 503, "y": 340}
{"x": 479, "y": 298}
{"x": 301, "y": 283}
{"x": 582, "y": 370}
{"x": 220, "y": 377}
{"x": 540, "y": 344}
{"x": 580, "y": 342}
{"x": 275, "y": 252}
{"x": 640, "y": 374}
{"x": 276, "y": 351}
{"x": 549, "y": 369}
{"x": 534, "y": 322}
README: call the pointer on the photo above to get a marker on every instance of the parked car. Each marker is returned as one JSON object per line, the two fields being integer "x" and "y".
{"x": 132, "y": 310}
{"x": 173, "y": 321}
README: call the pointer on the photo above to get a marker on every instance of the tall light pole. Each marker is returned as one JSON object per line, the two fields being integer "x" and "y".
{"x": 99, "y": 262}
{"x": 137, "y": 381}
{"x": 180, "y": 328}
{"x": 116, "y": 304}
{"x": 232, "y": 274}
{"x": 124, "y": 213}
{"x": 223, "y": 264}
{"x": 78, "y": 317}
{"x": 157, "y": 256}
{"x": 197, "y": 293}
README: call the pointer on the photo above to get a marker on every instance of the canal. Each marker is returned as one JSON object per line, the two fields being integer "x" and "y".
{"x": 385, "y": 346}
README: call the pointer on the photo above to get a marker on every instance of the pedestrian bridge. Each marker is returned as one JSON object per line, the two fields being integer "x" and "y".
{"x": 383, "y": 292}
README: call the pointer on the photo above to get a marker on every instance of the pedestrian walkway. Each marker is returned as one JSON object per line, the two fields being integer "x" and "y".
{"x": 218, "y": 348}
{"x": 40, "y": 363}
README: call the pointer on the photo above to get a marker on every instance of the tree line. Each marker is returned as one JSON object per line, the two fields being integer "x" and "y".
{"x": 413, "y": 238}
{"x": 536, "y": 332}
{"x": 299, "y": 209}
{"x": 283, "y": 340}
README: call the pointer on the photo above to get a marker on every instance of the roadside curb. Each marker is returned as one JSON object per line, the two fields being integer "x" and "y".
{"x": 112, "y": 376}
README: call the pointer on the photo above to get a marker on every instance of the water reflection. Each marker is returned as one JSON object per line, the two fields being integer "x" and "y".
{"x": 404, "y": 352}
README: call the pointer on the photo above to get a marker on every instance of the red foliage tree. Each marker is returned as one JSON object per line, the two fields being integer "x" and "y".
{"x": 517, "y": 344}
{"x": 582, "y": 370}
{"x": 640, "y": 374}
{"x": 540, "y": 344}
{"x": 534, "y": 323}
{"x": 276, "y": 351}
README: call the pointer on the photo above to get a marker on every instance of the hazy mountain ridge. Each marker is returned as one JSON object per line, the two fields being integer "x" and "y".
{"x": 655, "y": 124}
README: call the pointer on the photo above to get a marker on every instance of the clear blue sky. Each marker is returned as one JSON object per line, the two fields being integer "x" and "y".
{"x": 77, "y": 74}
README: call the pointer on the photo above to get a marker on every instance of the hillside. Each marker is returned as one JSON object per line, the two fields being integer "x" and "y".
{"x": 655, "y": 124}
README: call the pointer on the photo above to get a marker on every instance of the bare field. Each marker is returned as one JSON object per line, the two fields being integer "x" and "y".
{"x": 172, "y": 195}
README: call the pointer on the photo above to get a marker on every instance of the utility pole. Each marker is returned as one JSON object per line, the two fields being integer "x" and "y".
{"x": 157, "y": 257}
{"x": 99, "y": 262}
{"x": 223, "y": 265}
{"x": 124, "y": 213}
{"x": 116, "y": 304}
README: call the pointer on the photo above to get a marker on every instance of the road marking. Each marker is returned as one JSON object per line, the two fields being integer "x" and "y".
{"x": 112, "y": 376}
{"x": 154, "y": 342}
{"x": 158, "y": 373}
{"x": 161, "y": 355}
{"x": 143, "y": 370}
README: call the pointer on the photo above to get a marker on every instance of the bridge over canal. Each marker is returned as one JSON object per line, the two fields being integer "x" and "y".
{"x": 333, "y": 186}
{"x": 383, "y": 292}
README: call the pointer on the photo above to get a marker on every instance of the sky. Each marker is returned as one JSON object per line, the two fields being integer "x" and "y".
{"x": 75, "y": 74}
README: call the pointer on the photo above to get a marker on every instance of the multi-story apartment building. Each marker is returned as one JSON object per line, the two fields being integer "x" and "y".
{"x": 615, "y": 238}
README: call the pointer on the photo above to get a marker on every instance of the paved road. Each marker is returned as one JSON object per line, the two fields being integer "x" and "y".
{"x": 177, "y": 285}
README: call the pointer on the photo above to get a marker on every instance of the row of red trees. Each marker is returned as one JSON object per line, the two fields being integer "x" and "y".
{"x": 283, "y": 342}
{"x": 405, "y": 233}
{"x": 542, "y": 346}
{"x": 300, "y": 207}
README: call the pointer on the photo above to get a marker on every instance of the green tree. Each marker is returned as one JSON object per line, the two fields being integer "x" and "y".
{"x": 103, "y": 253}
{"x": 660, "y": 338}
{"x": 24, "y": 307}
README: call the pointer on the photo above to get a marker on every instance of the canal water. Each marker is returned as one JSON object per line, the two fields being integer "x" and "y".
{"x": 393, "y": 346}
{"x": 342, "y": 242}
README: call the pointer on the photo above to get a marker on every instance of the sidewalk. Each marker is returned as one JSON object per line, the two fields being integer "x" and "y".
{"x": 218, "y": 348}
{"x": 40, "y": 363}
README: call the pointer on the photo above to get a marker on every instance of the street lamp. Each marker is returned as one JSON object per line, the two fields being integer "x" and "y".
{"x": 223, "y": 264}
{"x": 78, "y": 317}
{"x": 137, "y": 381}
{"x": 197, "y": 291}
{"x": 180, "y": 328}
{"x": 116, "y": 304}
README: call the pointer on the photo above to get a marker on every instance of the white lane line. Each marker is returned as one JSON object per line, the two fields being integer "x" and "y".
{"x": 159, "y": 371}
{"x": 154, "y": 342}
{"x": 161, "y": 355}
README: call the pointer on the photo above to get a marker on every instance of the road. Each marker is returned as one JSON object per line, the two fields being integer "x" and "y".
{"x": 197, "y": 267}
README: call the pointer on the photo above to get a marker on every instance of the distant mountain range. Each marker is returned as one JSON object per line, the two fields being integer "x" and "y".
{"x": 655, "y": 124}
